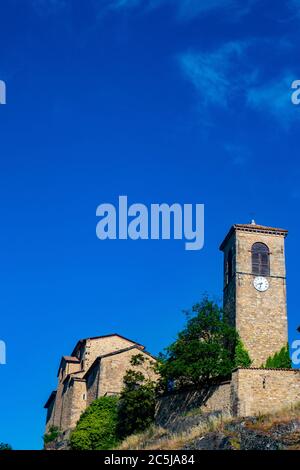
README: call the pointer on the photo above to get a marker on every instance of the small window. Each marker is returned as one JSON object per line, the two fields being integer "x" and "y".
{"x": 260, "y": 259}
{"x": 229, "y": 267}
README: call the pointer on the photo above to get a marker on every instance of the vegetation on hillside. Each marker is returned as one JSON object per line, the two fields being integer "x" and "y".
{"x": 96, "y": 428}
{"x": 51, "y": 435}
{"x": 279, "y": 430}
{"x": 137, "y": 401}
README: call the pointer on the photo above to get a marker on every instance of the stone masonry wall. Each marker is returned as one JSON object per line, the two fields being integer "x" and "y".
{"x": 261, "y": 318}
{"x": 113, "y": 369}
{"x": 101, "y": 346}
{"x": 249, "y": 393}
{"x": 215, "y": 398}
{"x": 78, "y": 401}
{"x": 257, "y": 391}
{"x": 229, "y": 292}
{"x": 92, "y": 384}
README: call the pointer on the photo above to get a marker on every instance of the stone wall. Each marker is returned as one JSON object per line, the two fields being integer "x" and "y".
{"x": 92, "y": 384}
{"x": 215, "y": 398}
{"x": 257, "y": 391}
{"x": 101, "y": 346}
{"x": 250, "y": 392}
{"x": 113, "y": 368}
{"x": 77, "y": 402}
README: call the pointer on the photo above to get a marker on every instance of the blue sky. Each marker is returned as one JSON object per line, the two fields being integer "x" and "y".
{"x": 163, "y": 101}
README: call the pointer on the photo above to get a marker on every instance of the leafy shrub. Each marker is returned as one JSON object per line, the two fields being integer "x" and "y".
{"x": 280, "y": 360}
{"x": 53, "y": 434}
{"x": 241, "y": 358}
{"x": 96, "y": 428}
{"x": 4, "y": 446}
{"x": 137, "y": 404}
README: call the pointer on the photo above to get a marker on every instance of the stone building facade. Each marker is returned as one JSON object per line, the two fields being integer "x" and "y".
{"x": 95, "y": 368}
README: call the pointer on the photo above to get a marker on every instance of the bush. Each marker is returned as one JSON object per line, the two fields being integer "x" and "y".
{"x": 280, "y": 360}
{"x": 96, "y": 428}
{"x": 241, "y": 358}
{"x": 53, "y": 434}
{"x": 137, "y": 405}
{"x": 4, "y": 446}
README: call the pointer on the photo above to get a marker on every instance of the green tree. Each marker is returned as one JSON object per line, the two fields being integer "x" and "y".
{"x": 137, "y": 401}
{"x": 4, "y": 446}
{"x": 203, "y": 350}
{"x": 280, "y": 360}
{"x": 241, "y": 357}
{"x": 96, "y": 428}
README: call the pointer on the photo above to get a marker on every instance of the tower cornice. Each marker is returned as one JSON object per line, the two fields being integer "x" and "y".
{"x": 254, "y": 228}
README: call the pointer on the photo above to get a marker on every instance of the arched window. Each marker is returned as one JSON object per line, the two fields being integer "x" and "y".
{"x": 260, "y": 259}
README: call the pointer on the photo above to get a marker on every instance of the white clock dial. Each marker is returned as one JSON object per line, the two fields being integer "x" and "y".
{"x": 261, "y": 283}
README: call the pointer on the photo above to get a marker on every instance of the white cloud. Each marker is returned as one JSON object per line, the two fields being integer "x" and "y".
{"x": 274, "y": 98}
{"x": 214, "y": 74}
{"x": 230, "y": 77}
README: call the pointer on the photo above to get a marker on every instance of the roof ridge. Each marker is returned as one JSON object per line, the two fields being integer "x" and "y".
{"x": 105, "y": 336}
{"x": 113, "y": 353}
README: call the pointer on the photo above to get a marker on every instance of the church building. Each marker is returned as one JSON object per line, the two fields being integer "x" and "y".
{"x": 94, "y": 369}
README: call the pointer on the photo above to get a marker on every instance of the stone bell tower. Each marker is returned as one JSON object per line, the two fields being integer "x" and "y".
{"x": 255, "y": 287}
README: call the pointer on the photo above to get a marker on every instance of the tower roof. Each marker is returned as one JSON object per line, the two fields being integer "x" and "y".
{"x": 253, "y": 227}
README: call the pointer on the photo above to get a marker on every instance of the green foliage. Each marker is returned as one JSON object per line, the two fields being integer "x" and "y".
{"x": 53, "y": 434}
{"x": 203, "y": 350}
{"x": 4, "y": 446}
{"x": 137, "y": 402}
{"x": 241, "y": 357}
{"x": 96, "y": 428}
{"x": 280, "y": 360}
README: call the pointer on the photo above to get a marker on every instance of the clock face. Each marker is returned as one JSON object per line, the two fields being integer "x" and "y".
{"x": 261, "y": 284}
